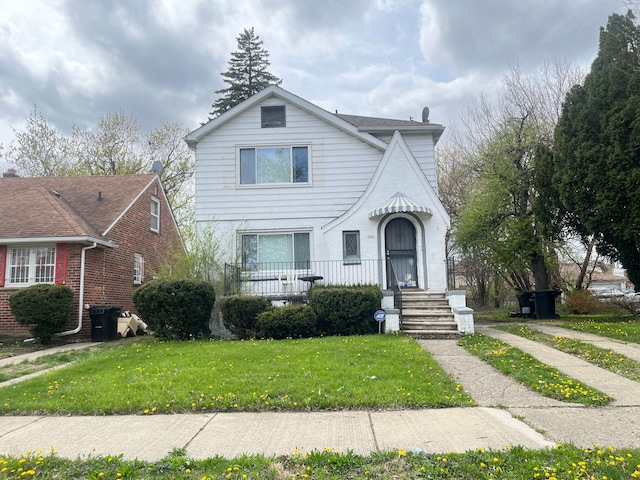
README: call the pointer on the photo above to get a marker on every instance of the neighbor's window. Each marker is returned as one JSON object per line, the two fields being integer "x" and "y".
{"x": 138, "y": 269}
{"x": 155, "y": 214}
{"x": 30, "y": 265}
{"x": 275, "y": 251}
{"x": 351, "y": 246}
{"x": 274, "y": 165}
{"x": 273, "y": 117}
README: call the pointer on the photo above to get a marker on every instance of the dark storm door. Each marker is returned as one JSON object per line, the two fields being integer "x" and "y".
{"x": 400, "y": 242}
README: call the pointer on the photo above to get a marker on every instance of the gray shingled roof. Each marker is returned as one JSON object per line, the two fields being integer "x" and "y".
{"x": 65, "y": 206}
{"x": 374, "y": 122}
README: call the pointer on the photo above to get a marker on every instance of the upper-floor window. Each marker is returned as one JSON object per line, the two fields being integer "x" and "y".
{"x": 30, "y": 265}
{"x": 273, "y": 117}
{"x": 275, "y": 251}
{"x": 351, "y": 246}
{"x": 274, "y": 165}
{"x": 138, "y": 268}
{"x": 155, "y": 214}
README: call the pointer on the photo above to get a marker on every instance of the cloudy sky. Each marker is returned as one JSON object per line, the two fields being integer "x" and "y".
{"x": 78, "y": 59}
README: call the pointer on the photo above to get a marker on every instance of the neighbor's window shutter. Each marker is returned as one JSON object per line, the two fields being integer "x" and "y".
{"x": 3, "y": 256}
{"x": 61, "y": 263}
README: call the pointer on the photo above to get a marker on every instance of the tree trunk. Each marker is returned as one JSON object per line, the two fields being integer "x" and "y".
{"x": 585, "y": 264}
{"x": 540, "y": 273}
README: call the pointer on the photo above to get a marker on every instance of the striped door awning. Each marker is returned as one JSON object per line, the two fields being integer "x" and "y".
{"x": 399, "y": 203}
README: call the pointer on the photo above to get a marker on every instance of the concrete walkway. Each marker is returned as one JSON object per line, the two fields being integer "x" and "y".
{"x": 617, "y": 425}
{"x": 508, "y": 414}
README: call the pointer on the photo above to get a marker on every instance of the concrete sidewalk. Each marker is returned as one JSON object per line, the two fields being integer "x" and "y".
{"x": 233, "y": 434}
{"x": 617, "y": 425}
{"x": 509, "y": 414}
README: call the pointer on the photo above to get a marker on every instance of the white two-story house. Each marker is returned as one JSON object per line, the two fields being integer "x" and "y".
{"x": 304, "y": 195}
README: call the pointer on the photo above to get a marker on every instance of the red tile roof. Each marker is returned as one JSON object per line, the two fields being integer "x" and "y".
{"x": 65, "y": 206}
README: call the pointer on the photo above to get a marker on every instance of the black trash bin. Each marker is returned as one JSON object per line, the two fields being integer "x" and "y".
{"x": 545, "y": 302}
{"x": 527, "y": 305}
{"x": 104, "y": 323}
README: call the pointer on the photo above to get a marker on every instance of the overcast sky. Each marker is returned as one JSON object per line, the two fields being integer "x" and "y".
{"x": 78, "y": 59}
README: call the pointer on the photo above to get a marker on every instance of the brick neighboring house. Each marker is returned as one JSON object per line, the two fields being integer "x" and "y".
{"x": 99, "y": 235}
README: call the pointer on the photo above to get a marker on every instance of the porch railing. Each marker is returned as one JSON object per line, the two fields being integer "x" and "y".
{"x": 395, "y": 286}
{"x": 451, "y": 273}
{"x": 282, "y": 279}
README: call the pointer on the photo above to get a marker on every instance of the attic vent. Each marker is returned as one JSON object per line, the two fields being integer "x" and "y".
{"x": 54, "y": 193}
{"x": 11, "y": 172}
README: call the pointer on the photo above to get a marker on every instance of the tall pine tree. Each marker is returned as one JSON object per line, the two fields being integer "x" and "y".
{"x": 597, "y": 148}
{"x": 247, "y": 73}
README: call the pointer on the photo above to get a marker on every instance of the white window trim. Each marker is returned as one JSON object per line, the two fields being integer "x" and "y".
{"x": 138, "y": 269}
{"x": 156, "y": 201}
{"x": 350, "y": 259}
{"x": 32, "y": 266}
{"x": 308, "y": 183}
{"x": 274, "y": 232}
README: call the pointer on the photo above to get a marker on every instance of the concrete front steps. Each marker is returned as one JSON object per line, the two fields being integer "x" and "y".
{"x": 427, "y": 315}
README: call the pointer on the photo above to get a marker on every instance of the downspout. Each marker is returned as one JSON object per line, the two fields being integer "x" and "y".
{"x": 81, "y": 300}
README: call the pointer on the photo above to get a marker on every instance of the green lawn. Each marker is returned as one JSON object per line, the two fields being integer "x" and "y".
{"x": 627, "y": 330}
{"x": 150, "y": 376}
{"x": 536, "y": 375}
{"x": 602, "y": 357}
{"x": 563, "y": 462}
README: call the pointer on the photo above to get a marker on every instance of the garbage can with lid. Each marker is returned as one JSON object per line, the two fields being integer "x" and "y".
{"x": 104, "y": 323}
{"x": 545, "y": 302}
{"x": 527, "y": 305}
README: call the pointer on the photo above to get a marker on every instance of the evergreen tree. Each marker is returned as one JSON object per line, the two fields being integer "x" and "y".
{"x": 597, "y": 148}
{"x": 247, "y": 73}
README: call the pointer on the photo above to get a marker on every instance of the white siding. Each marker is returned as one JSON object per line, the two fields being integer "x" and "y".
{"x": 422, "y": 149}
{"x": 341, "y": 166}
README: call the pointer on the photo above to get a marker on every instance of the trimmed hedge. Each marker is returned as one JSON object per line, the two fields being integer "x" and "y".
{"x": 345, "y": 310}
{"x": 239, "y": 314}
{"x": 293, "y": 321}
{"x": 46, "y": 307}
{"x": 176, "y": 309}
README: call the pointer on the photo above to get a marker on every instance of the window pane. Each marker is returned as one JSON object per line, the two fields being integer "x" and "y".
{"x": 274, "y": 165}
{"x": 19, "y": 270}
{"x": 302, "y": 251}
{"x": 300, "y": 164}
{"x": 247, "y": 166}
{"x": 155, "y": 215}
{"x": 273, "y": 116}
{"x": 249, "y": 251}
{"x": 351, "y": 245}
{"x": 45, "y": 264}
{"x": 276, "y": 250}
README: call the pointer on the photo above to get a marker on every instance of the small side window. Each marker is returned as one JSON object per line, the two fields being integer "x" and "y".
{"x": 138, "y": 269}
{"x": 155, "y": 215}
{"x": 351, "y": 246}
{"x": 273, "y": 117}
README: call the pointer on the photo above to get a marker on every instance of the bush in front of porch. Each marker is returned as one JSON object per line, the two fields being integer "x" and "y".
{"x": 343, "y": 310}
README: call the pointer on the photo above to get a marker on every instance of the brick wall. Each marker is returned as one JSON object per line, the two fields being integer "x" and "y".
{"x": 109, "y": 271}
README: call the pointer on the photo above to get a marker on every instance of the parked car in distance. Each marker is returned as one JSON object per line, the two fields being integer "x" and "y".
{"x": 603, "y": 292}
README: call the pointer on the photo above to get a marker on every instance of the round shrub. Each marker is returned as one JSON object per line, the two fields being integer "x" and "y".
{"x": 346, "y": 310}
{"x": 46, "y": 307}
{"x": 293, "y": 321}
{"x": 176, "y": 309}
{"x": 239, "y": 314}
{"x": 582, "y": 302}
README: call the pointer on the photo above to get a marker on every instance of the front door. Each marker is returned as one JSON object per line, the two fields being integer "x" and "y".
{"x": 400, "y": 242}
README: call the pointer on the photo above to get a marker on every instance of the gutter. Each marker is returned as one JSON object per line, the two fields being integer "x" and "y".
{"x": 81, "y": 300}
{"x": 81, "y": 239}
